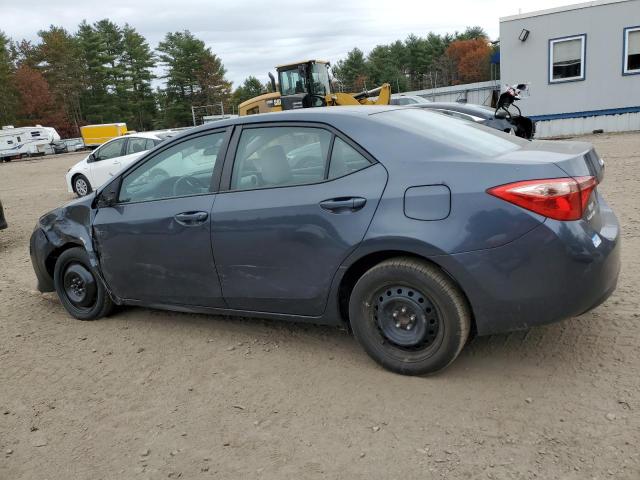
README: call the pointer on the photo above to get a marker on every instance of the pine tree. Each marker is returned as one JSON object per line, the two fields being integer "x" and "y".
{"x": 195, "y": 77}
{"x": 8, "y": 98}
{"x": 137, "y": 64}
{"x": 58, "y": 60}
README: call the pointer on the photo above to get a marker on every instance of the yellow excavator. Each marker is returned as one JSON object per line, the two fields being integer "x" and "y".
{"x": 306, "y": 84}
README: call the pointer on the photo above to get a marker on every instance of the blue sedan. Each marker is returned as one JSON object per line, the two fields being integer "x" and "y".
{"x": 414, "y": 229}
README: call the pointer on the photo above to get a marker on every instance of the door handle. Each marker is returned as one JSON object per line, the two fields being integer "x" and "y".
{"x": 190, "y": 219}
{"x": 343, "y": 204}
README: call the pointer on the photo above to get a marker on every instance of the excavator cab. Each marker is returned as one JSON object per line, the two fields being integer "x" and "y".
{"x": 307, "y": 84}
{"x": 303, "y": 85}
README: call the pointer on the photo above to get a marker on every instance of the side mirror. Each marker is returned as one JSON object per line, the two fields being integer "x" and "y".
{"x": 108, "y": 197}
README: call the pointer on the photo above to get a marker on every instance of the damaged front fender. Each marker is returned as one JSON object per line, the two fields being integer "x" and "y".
{"x": 65, "y": 227}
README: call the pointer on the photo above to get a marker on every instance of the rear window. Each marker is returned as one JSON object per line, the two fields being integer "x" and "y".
{"x": 458, "y": 134}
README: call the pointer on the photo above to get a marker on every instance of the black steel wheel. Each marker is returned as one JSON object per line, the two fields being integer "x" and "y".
{"x": 406, "y": 317}
{"x": 80, "y": 290}
{"x": 409, "y": 316}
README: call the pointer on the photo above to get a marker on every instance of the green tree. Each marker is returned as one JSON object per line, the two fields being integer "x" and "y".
{"x": 8, "y": 97}
{"x": 95, "y": 97}
{"x": 195, "y": 77}
{"x": 137, "y": 63}
{"x": 472, "y": 33}
{"x": 351, "y": 72}
{"x": 385, "y": 65}
{"x": 58, "y": 60}
{"x": 250, "y": 88}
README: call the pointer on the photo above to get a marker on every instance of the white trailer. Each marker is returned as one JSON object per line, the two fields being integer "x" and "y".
{"x": 16, "y": 142}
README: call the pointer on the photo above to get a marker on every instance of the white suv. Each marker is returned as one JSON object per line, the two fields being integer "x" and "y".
{"x": 109, "y": 158}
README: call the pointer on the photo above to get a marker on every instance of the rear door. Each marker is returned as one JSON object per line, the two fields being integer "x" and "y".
{"x": 295, "y": 201}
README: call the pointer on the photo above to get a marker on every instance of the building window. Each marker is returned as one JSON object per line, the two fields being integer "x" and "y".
{"x": 567, "y": 59}
{"x": 631, "y": 50}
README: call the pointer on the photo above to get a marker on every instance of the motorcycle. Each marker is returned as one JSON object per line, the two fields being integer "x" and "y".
{"x": 525, "y": 127}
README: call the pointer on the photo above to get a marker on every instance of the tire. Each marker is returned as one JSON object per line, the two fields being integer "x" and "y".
{"x": 79, "y": 288}
{"x": 409, "y": 316}
{"x": 81, "y": 185}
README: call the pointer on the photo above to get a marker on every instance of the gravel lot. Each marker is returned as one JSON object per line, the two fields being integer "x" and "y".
{"x": 149, "y": 394}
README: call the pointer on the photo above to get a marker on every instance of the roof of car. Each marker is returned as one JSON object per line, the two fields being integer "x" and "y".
{"x": 318, "y": 114}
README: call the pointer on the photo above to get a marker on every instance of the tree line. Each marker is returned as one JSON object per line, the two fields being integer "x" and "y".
{"x": 104, "y": 73}
{"x": 419, "y": 63}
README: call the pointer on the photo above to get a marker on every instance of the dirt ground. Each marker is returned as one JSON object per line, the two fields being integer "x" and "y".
{"x": 150, "y": 394}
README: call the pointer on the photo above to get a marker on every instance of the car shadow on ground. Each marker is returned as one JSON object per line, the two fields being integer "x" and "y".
{"x": 572, "y": 345}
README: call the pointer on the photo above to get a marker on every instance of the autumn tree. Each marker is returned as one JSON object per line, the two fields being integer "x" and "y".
{"x": 471, "y": 59}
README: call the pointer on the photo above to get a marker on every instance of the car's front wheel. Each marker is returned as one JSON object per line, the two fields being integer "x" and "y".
{"x": 409, "y": 316}
{"x": 81, "y": 185}
{"x": 80, "y": 290}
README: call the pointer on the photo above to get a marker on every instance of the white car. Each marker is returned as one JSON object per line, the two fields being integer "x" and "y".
{"x": 109, "y": 158}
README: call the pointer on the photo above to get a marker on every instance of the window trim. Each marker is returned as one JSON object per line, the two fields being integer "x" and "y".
{"x": 625, "y": 49}
{"x": 150, "y": 154}
{"x": 227, "y": 172}
{"x": 583, "y": 76}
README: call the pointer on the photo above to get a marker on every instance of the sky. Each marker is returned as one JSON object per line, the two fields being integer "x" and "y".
{"x": 252, "y": 36}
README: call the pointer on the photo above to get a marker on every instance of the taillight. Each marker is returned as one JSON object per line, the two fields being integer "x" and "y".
{"x": 557, "y": 198}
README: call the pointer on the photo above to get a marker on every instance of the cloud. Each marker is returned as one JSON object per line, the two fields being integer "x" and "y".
{"x": 252, "y": 36}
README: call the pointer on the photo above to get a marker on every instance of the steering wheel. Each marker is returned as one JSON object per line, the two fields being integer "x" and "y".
{"x": 191, "y": 185}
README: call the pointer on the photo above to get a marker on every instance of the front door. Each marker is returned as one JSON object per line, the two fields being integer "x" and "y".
{"x": 106, "y": 162}
{"x": 289, "y": 217}
{"x": 155, "y": 243}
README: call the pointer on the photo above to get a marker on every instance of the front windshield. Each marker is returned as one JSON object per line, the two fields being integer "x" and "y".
{"x": 291, "y": 82}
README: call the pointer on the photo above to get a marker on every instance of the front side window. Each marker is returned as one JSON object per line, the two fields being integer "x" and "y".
{"x": 567, "y": 59}
{"x": 631, "y": 50}
{"x": 278, "y": 156}
{"x": 181, "y": 170}
{"x": 110, "y": 150}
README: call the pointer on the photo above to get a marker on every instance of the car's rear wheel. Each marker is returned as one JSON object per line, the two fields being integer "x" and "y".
{"x": 81, "y": 185}
{"x": 80, "y": 290}
{"x": 409, "y": 316}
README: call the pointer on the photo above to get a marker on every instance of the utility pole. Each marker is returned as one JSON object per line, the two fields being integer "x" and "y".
{"x": 193, "y": 115}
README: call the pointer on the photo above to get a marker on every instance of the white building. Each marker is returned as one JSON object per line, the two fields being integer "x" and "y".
{"x": 582, "y": 62}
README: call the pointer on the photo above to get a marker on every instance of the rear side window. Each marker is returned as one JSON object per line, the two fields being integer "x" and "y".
{"x": 137, "y": 145}
{"x": 345, "y": 159}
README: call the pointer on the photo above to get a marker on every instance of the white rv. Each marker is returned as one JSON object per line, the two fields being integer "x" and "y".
{"x": 16, "y": 142}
